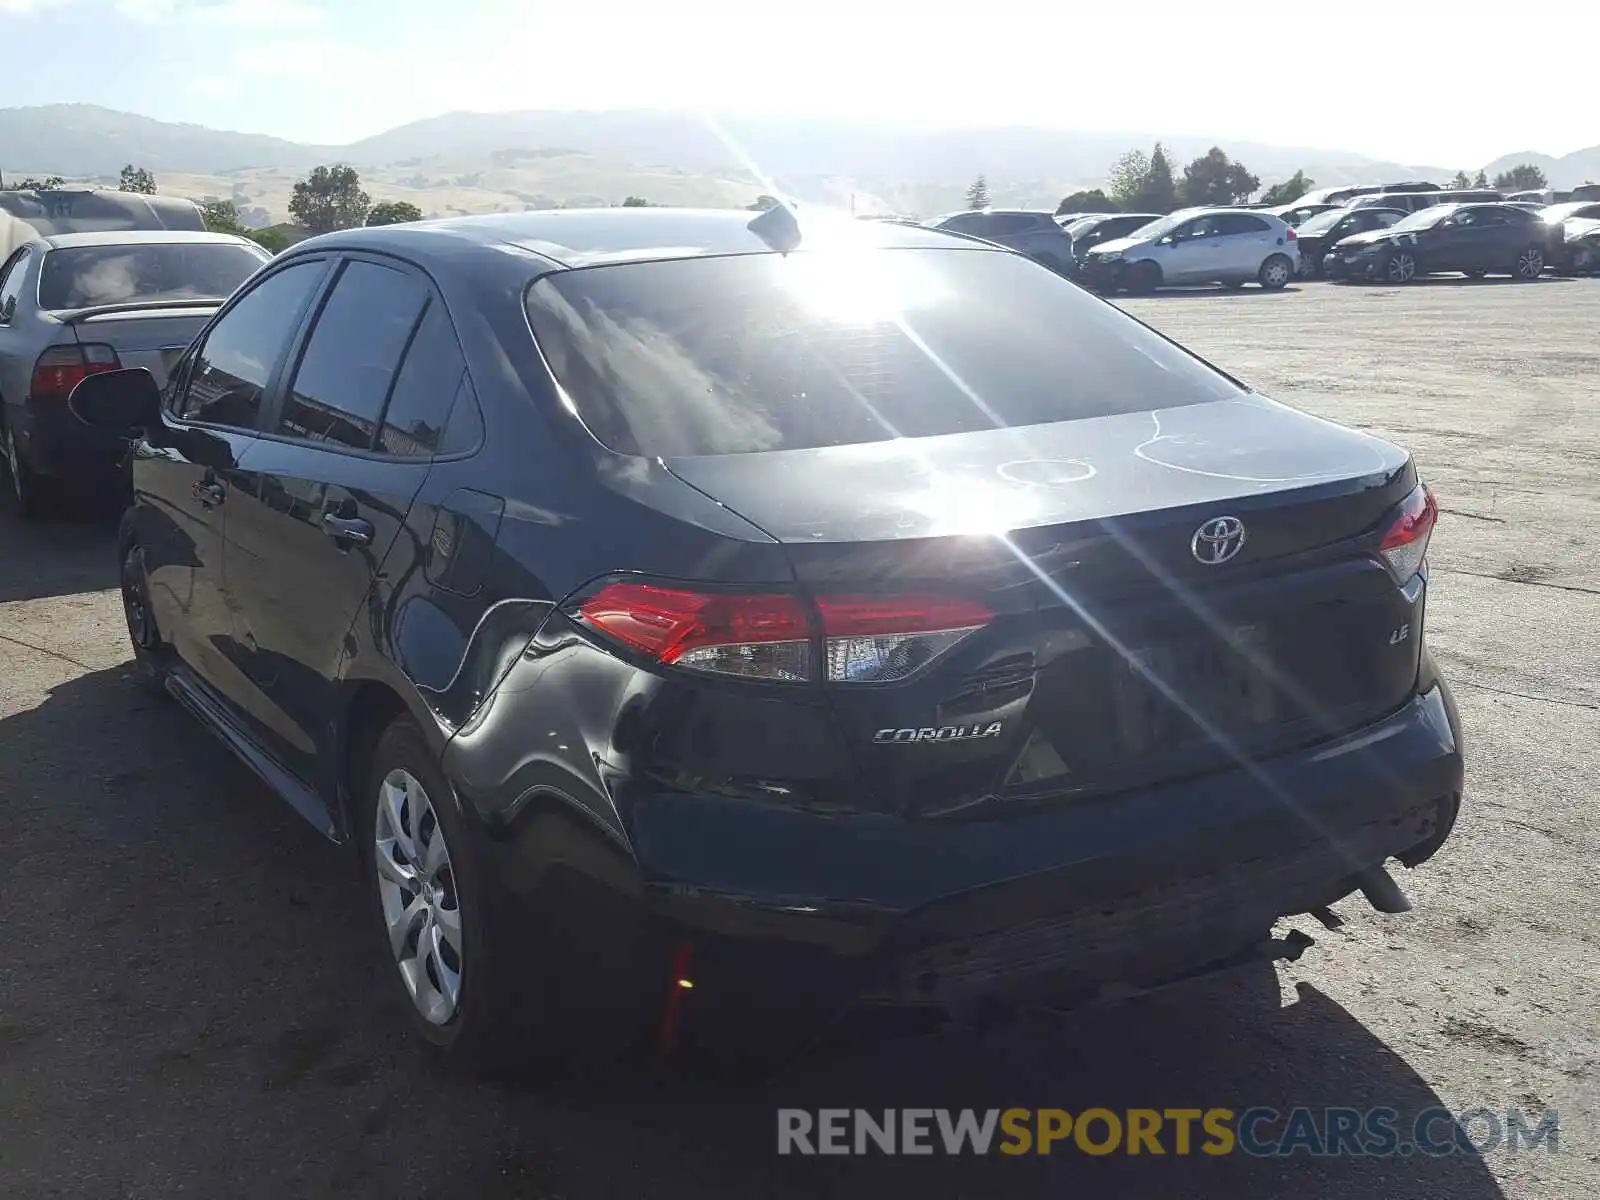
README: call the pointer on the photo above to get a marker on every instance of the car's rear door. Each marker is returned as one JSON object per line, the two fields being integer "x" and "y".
{"x": 322, "y": 502}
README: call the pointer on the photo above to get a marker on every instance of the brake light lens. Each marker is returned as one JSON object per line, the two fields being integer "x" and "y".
{"x": 864, "y": 639}
{"x": 881, "y": 639}
{"x": 756, "y": 636}
{"x": 61, "y": 368}
{"x": 1405, "y": 545}
{"x": 1293, "y": 236}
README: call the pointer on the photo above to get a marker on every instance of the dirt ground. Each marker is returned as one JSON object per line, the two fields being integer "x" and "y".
{"x": 191, "y": 1004}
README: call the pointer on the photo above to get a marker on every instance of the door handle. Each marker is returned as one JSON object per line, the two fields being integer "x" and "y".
{"x": 352, "y": 530}
{"x": 209, "y": 494}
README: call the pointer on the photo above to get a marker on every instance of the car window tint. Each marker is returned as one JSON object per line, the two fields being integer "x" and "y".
{"x": 11, "y": 285}
{"x": 1203, "y": 227}
{"x": 85, "y": 276}
{"x": 1230, "y": 223}
{"x": 419, "y": 406}
{"x": 231, "y": 370}
{"x": 755, "y": 352}
{"x": 351, "y": 357}
{"x": 464, "y": 432}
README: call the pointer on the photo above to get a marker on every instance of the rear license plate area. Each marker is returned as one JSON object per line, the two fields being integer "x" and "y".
{"x": 1183, "y": 691}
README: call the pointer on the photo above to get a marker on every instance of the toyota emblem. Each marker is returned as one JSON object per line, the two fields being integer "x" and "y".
{"x": 1218, "y": 540}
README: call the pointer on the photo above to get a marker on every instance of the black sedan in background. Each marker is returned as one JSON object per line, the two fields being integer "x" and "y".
{"x": 1089, "y": 231}
{"x": 699, "y": 623}
{"x": 1475, "y": 239}
{"x": 1326, "y": 229}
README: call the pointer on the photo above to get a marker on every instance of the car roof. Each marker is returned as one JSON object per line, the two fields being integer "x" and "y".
{"x": 577, "y": 237}
{"x": 137, "y": 237}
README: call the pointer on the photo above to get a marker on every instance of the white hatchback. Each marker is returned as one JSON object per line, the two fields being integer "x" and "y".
{"x": 1231, "y": 246}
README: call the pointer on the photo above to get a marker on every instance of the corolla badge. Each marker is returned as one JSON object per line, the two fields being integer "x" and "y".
{"x": 1218, "y": 540}
{"x": 943, "y": 733}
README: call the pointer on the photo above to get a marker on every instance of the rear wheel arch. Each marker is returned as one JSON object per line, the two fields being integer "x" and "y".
{"x": 373, "y": 706}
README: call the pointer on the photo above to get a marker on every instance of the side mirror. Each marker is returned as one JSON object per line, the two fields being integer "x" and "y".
{"x": 124, "y": 400}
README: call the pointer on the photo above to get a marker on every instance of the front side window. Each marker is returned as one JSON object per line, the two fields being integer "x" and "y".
{"x": 756, "y": 352}
{"x": 343, "y": 379}
{"x": 231, "y": 370}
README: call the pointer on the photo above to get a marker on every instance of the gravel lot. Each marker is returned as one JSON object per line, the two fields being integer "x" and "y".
{"x": 190, "y": 1001}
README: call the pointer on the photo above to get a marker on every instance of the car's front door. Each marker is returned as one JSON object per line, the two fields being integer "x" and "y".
{"x": 1191, "y": 251}
{"x": 186, "y": 471}
{"x": 323, "y": 496}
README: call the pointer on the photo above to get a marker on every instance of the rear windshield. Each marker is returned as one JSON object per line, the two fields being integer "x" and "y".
{"x": 760, "y": 352}
{"x": 84, "y": 276}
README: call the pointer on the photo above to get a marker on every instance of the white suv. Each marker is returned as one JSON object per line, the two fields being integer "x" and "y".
{"x": 1231, "y": 246}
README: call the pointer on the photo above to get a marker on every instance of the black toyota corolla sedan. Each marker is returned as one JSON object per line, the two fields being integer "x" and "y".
{"x": 699, "y": 622}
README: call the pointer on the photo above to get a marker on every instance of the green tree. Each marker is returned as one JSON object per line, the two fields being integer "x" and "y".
{"x": 34, "y": 184}
{"x": 1480, "y": 180}
{"x": 221, "y": 216}
{"x": 1158, "y": 193}
{"x": 393, "y": 212}
{"x": 137, "y": 179}
{"x": 978, "y": 193}
{"x": 1524, "y": 177}
{"x": 1461, "y": 182}
{"x": 1093, "y": 200}
{"x": 636, "y": 202}
{"x": 1215, "y": 179}
{"x": 330, "y": 198}
{"x": 1290, "y": 190}
{"x": 274, "y": 240}
{"x": 1128, "y": 176}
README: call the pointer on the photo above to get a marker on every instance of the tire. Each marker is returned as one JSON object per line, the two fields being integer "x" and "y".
{"x": 149, "y": 651}
{"x": 494, "y": 991}
{"x": 1144, "y": 278}
{"x": 1401, "y": 267}
{"x": 1582, "y": 261}
{"x": 25, "y": 489}
{"x": 1311, "y": 268}
{"x": 1275, "y": 273}
{"x": 1529, "y": 265}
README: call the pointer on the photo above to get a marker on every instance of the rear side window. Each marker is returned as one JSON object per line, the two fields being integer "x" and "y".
{"x": 826, "y": 348}
{"x": 84, "y": 276}
{"x": 425, "y": 389}
{"x": 1229, "y": 223}
{"x": 231, "y": 370}
{"x": 344, "y": 375}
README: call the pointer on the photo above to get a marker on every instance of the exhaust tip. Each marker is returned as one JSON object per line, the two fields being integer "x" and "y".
{"x": 1382, "y": 892}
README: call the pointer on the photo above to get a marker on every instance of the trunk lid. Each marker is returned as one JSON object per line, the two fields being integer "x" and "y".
{"x": 153, "y": 336}
{"x": 1115, "y": 658}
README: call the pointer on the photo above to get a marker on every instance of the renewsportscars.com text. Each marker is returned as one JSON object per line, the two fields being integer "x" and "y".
{"x": 1258, "y": 1132}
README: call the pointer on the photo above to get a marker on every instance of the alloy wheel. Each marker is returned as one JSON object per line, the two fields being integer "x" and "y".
{"x": 1402, "y": 268}
{"x": 1275, "y": 273}
{"x": 417, "y": 887}
{"x": 135, "y": 603}
{"x": 1530, "y": 264}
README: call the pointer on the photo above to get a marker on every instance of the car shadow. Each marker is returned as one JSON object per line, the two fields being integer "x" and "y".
{"x": 1210, "y": 292}
{"x": 70, "y": 550}
{"x": 202, "y": 976}
{"x": 1427, "y": 281}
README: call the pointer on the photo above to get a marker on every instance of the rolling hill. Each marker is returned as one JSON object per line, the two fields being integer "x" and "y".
{"x": 475, "y": 162}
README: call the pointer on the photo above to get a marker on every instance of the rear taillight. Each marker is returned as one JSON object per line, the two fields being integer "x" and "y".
{"x": 1405, "y": 544}
{"x": 762, "y": 637}
{"x": 852, "y": 639}
{"x": 880, "y": 639}
{"x": 1292, "y": 236}
{"x": 61, "y": 368}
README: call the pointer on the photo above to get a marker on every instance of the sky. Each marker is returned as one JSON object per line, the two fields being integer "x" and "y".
{"x": 1413, "y": 81}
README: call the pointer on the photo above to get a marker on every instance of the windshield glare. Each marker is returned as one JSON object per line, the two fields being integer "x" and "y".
{"x": 1323, "y": 220}
{"x": 760, "y": 352}
{"x": 1423, "y": 218}
{"x": 86, "y": 276}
